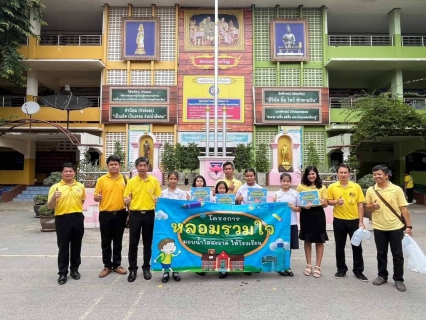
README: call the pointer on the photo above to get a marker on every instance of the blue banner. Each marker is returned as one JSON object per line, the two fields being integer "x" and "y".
{"x": 211, "y": 237}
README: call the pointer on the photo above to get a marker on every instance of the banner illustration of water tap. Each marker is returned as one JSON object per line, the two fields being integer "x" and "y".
{"x": 211, "y": 237}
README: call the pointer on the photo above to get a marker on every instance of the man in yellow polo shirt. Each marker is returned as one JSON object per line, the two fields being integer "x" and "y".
{"x": 408, "y": 186}
{"x": 388, "y": 204}
{"x": 232, "y": 183}
{"x": 112, "y": 215}
{"x": 67, "y": 198}
{"x": 141, "y": 194}
{"x": 348, "y": 213}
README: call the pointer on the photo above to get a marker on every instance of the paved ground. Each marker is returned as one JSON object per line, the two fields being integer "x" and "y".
{"x": 28, "y": 287}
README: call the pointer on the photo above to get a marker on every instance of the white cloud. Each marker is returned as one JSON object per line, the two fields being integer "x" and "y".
{"x": 161, "y": 215}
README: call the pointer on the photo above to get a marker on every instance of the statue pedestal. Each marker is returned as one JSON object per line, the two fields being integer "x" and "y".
{"x": 285, "y": 168}
{"x": 274, "y": 178}
{"x": 211, "y": 168}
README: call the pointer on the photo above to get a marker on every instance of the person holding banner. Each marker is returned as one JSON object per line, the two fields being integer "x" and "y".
{"x": 241, "y": 196}
{"x": 173, "y": 192}
{"x": 141, "y": 194}
{"x": 112, "y": 215}
{"x": 286, "y": 194}
{"x": 312, "y": 220}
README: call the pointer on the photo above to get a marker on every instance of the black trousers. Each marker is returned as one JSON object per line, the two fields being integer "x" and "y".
{"x": 69, "y": 234}
{"x": 393, "y": 238}
{"x": 140, "y": 220}
{"x": 343, "y": 228}
{"x": 112, "y": 225}
{"x": 409, "y": 192}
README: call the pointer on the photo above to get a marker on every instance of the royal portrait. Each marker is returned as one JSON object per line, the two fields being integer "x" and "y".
{"x": 140, "y": 38}
{"x": 200, "y": 30}
{"x": 289, "y": 40}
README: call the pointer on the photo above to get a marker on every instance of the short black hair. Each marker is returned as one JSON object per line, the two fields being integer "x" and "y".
{"x": 68, "y": 165}
{"x": 141, "y": 159}
{"x": 250, "y": 170}
{"x": 382, "y": 167}
{"x": 113, "y": 158}
{"x": 342, "y": 165}
{"x": 228, "y": 163}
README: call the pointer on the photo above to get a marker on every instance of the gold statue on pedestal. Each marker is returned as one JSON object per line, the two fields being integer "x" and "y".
{"x": 285, "y": 154}
{"x": 140, "y": 40}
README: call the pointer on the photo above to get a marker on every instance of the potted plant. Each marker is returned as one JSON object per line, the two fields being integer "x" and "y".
{"x": 39, "y": 200}
{"x": 53, "y": 178}
{"x": 47, "y": 218}
{"x": 262, "y": 163}
{"x": 366, "y": 182}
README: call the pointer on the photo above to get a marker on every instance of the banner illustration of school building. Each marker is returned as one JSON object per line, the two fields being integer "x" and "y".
{"x": 221, "y": 237}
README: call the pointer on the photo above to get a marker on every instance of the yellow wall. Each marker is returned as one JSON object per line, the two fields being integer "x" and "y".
{"x": 25, "y": 176}
{"x": 51, "y": 114}
{"x": 68, "y": 52}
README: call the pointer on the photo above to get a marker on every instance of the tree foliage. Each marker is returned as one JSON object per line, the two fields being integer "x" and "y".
{"x": 168, "y": 158}
{"x": 118, "y": 151}
{"x": 15, "y": 28}
{"x": 312, "y": 157}
{"x": 192, "y": 154}
{"x": 243, "y": 156}
{"x": 262, "y": 161}
{"x": 352, "y": 161}
{"x": 380, "y": 115}
{"x": 181, "y": 157}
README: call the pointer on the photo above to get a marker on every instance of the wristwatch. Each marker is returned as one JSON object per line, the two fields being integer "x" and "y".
{"x": 409, "y": 227}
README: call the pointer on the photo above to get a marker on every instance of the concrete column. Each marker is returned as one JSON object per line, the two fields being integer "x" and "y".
{"x": 394, "y": 18}
{"x": 346, "y": 153}
{"x": 35, "y": 24}
{"x": 32, "y": 41}
{"x": 32, "y": 85}
{"x": 83, "y": 150}
{"x": 397, "y": 84}
{"x": 274, "y": 148}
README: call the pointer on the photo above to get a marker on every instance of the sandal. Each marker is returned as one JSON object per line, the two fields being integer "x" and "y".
{"x": 176, "y": 276}
{"x": 308, "y": 270}
{"x": 166, "y": 277}
{"x": 317, "y": 272}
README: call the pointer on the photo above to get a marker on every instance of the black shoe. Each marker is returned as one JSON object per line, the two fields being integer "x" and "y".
{"x": 165, "y": 277}
{"x": 361, "y": 277}
{"x": 247, "y": 273}
{"x": 283, "y": 273}
{"x": 62, "y": 280}
{"x": 146, "y": 274}
{"x": 201, "y": 273}
{"x": 222, "y": 275}
{"x": 339, "y": 274}
{"x": 176, "y": 276}
{"x": 132, "y": 276}
{"x": 75, "y": 275}
{"x": 290, "y": 273}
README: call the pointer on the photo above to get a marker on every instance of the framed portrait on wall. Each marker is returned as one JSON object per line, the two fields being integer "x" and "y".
{"x": 289, "y": 40}
{"x": 199, "y": 28}
{"x": 140, "y": 38}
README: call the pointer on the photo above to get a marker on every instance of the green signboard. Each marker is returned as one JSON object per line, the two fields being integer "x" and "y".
{"x": 128, "y": 113}
{"x": 139, "y": 95}
{"x": 276, "y": 96}
{"x": 292, "y": 115}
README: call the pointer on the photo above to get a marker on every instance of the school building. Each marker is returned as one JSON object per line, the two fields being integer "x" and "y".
{"x": 147, "y": 70}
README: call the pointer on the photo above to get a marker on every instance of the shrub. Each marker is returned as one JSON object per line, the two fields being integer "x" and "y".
{"x": 40, "y": 199}
{"x": 45, "y": 211}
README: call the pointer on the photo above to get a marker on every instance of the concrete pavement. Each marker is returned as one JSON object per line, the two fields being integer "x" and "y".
{"x": 28, "y": 287}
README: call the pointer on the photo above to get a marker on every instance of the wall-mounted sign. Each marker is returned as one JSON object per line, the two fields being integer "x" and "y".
{"x": 297, "y": 115}
{"x": 291, "y": 96}
{"x": 206, "y": 61}
{"x": 232, "y": 138}
{"x": 139, "y": 95}
{"x": 139, "y": 114}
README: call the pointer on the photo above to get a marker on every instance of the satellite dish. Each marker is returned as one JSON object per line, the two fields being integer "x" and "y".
{"x": 30, "y": 107}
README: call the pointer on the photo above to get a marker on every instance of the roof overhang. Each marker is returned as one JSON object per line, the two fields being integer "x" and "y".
{"x": 376, "y": 64}
{"x": 64, "y": 64}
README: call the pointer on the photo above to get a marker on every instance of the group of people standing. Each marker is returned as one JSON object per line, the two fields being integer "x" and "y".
{"x": 132, "y": 203}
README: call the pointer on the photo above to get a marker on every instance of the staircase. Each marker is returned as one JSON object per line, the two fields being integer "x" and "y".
{"x": 28, "y": 194}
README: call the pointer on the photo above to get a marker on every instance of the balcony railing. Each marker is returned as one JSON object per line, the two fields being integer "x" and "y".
{"x": 18, "y": 101}
{"x": 360, "y": 40}
{"x": 70, "y": 40}
{"x": 413, "y": 41}
{"x": 342, "y": 102}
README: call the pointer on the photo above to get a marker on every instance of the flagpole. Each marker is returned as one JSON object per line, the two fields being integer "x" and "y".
{"x": 216, "y": 86}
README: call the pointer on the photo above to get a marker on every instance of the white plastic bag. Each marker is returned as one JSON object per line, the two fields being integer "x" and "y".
{"x": 416, "y": 257}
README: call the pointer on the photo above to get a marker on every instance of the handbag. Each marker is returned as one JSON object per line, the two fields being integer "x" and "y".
{"x": 400, "y": 217}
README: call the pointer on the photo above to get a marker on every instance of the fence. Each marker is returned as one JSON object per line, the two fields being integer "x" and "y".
{"x": 72, "y": 40}
{"x": 360, "y": 40}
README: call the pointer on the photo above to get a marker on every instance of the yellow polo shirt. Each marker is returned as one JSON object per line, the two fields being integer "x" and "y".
{"x": 143, "y": 192}
{"x": 237, "y": 184}
{"x": 321, "y": 192}
{"x": 72, "y": 197}
{"x": 384, "y": 219}
{"x": 351, "y": 195}
{"x": 112, "y": 191}
{"x": 408, "y": 180}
